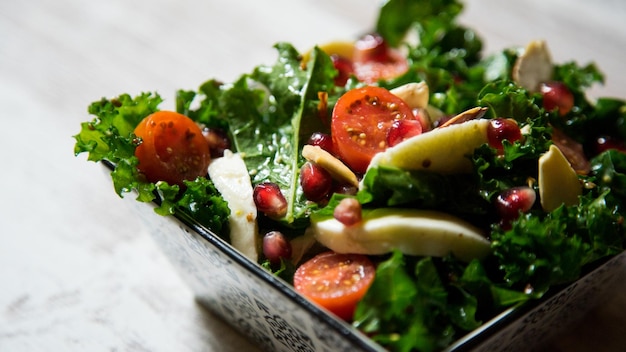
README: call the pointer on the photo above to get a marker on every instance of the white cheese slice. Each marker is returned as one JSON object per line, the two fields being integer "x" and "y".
{"x": 231, "y": 178}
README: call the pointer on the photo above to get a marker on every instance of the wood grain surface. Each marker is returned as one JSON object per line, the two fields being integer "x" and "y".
{"x": 77, "y": 271}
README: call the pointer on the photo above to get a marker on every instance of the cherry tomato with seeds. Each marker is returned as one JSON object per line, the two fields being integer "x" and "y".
{"x": 335, "y": 281}
{"x": 172, "y": 148}
{"x": 361, "y": 120}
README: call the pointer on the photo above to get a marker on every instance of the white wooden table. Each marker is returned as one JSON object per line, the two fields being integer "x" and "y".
{"x": 78, "y": 273}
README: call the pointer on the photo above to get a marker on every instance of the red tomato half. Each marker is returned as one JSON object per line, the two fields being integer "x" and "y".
{"x": 335, "y": 281}
{"x": 173, "y": 148}
{"x": 361, "y": 121}
{"x": 372, "y": 71}
{"x": 375, "y": 60}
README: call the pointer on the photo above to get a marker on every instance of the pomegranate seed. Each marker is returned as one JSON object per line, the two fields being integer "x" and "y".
{"x": 269, "y": 200}
{"x": 421, "y": 115}
{"x": 604, "y": 143}
{"x": 276, "y": 247}
{"x": 348, "y": 211}
{"x": 502, "y": 129}
{"x": 218, "y": 141}
{"x": 371, "y": 47}
{"x": 510, "y": 203}
{"x": 556, "y": 95}
{"x": 316, "y": 182}
{"x": 322, "y": 140}
{"x": 345, "y": 68}
{"x": 401, "y": 130}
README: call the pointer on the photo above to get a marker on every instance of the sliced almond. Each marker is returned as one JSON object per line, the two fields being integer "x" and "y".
{"x": 533, "y": 66}
{"x": 414, "y": 94}
{"x": 338, "y": 170}
{"x": 467, "y": 115}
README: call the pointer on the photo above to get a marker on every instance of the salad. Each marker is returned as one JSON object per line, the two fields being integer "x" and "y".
{"x": 405, "y": 181}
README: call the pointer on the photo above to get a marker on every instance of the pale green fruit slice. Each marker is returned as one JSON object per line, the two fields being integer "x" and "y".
{"x": 411, "y": 231}
{"x": 558, "y": 182}
{"x": 442, "y": 150}
{"x": 230, "y": 177}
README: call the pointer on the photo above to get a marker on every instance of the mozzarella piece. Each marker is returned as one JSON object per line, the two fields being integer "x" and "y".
{"x": 231, "y": 178}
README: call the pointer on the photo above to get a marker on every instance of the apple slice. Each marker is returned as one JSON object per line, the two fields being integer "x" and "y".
{"x": 230, "y": 176}
{"x": 558, "y": 181}
{"x": 411, "y": 231}
{"x": 443, "y": 150}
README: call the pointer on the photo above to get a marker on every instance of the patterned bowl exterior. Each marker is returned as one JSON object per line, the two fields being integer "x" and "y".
{"x": 276, "y": 318}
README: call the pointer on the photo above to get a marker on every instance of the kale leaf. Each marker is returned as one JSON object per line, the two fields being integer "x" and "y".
{"x": 109, "y": 137}
{"x": 269, "y": 114}
{"x": 412, "y": 305}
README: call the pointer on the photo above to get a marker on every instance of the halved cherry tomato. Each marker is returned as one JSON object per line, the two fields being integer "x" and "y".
{"x": 371, "y": 71}
{"x": 374, "y": 60}
{"x": 335, "y": 281}
{"x": 361, "y": 121}
{"x": 172, "y": 148}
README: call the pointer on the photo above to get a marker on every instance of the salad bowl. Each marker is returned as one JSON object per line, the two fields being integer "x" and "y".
{"x": 273, "y": 316}
{"x": 477, "y": 200}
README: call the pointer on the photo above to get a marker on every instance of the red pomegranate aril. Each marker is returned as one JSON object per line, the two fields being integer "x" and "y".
{"x": 316, "y": 182}
{"x": 276, "y": 247}
{"x": 604, "y": 143}
{"x": 344, "y": 68}
{"x": 269, "y": 200}
{"x": 348, "y": 211}
{"x": 403, "y": 129}
{"x": 322, "y": 140}
{"x": 501, "y": 129}
{"x": 511, "y": 202}
{"x": 556, "y": 95}
{"x": 218, "y": 141}
{"x": 371, "y": 47}
{"x": 422, "y": 116}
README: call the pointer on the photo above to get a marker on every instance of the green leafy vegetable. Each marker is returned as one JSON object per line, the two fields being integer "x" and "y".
{"x": 539, "y": 252}
{"x": 109, "y": 137}
{"x": 411, "y": 306}
{"x": 396, "y": 17}
{"x": 454, "y": 194}
{"x": 269, "y": 114}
